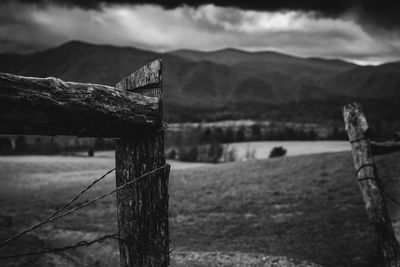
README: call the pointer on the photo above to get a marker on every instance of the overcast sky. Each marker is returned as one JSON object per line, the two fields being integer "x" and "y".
{"x": 366, "y": 32}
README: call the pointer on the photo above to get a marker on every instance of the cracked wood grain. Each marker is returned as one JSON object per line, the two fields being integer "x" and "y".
{"x": 49, "y": 106}
{"x": 143, "y": 207}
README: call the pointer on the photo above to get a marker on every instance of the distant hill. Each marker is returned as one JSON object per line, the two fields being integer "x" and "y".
{"x": 78, "y": 61}
{"x": 223, "y": 84}
{"x": 267, "y": 62}
{"x": 370, "y": 81}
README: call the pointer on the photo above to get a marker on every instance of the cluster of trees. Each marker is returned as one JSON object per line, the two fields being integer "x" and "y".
{"x": 211, "y": 153}
{"x": 255, "y": 133}
{"x": 225, "y": 135}
{"x": 12, "y": 146}
{"x": 216, "y": 153}
{"x": 338, "y": 134}
{"x": 205, "y": 144}
{"x": 21, "y": 145}
{"x": 313, "y": 110}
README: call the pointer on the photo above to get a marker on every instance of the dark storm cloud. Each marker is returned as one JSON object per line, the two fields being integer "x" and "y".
{"x": 27, "y": 26}
{"x": 380, "y": 13}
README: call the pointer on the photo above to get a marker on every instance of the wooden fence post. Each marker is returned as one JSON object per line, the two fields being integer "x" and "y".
{"x": 143, "y": 207}
{"x": 357, "y": 127}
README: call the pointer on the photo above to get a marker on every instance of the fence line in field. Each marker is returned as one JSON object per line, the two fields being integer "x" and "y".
{"x": 132, "y": 113}
{"x": 83, "y": 243}
{"x": 55, "y": 215}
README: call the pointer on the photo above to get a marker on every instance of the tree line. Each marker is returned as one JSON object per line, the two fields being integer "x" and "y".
{"x": 21, "y": 145}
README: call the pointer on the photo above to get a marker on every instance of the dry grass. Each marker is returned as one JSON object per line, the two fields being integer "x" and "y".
{"x": 305, "y": 207}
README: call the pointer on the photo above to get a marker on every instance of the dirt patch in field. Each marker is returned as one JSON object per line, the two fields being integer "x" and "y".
{"x": 225, "y": 259}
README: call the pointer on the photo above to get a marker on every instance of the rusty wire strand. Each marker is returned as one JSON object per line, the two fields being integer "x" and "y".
{"x": 394, "y": 200}
{"x": 100, "y": 240}
{"x": 377, "y": 179}
{"x": 53, "y": 250}
{"x": 56, "y": 217}
{"x": 366, "y": 165}
{"x": 62, "y": 207}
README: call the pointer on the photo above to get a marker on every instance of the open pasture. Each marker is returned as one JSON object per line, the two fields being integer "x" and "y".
{"x": 253, "y": 213}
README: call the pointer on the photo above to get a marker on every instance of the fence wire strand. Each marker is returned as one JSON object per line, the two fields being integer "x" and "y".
{"x": 62, "y": 207}
{"x": 380, "y": 179}
{"x": 100, "y": 240}
{"x": 56, "y": 215}
{"x": 60, "y": 249}
{"x": 57, "y": 211}
{"x": 377, "y": 178}
{"x": 394, "y": 200}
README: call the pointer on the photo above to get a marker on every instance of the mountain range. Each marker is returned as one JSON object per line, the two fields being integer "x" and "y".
{"x": 226, "y": 83}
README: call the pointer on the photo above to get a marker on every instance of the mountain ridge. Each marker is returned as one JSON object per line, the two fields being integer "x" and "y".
{"x": 220, "y": 80}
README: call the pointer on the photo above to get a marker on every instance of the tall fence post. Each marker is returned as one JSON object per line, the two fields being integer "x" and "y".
{"x": 143, "y": 207}
{"x": 357, "y": 128}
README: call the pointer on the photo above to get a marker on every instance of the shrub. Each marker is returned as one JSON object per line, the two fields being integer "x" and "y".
{"x": 240, "y": 137}
{"x": 277, "y": 151}
{"x": 215, "y": 152}
{"x": 5, "y": 146}
{"x": 171, "y": 154}
{"x": 99, "y": 143}
{"x": 21, "y": 146}
{"x": 190, "y": 156}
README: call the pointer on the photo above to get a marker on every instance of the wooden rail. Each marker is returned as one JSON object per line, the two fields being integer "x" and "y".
{"x": 49, "y": 106}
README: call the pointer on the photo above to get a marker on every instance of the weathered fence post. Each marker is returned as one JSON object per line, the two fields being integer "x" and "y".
{"x": 357, "y": 127}
{"x": 143, "y": 207}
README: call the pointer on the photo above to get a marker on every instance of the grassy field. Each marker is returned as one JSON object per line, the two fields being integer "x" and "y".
{"x": 308, "y": 208}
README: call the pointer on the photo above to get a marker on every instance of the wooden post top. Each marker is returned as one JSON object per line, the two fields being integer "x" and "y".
{"x": 146, "y": 81}
{"x": 355, "y": 121}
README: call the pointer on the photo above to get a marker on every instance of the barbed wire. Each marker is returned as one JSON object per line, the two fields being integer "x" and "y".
{"x": 387, "y": 177}
{"x": 100, "y": 240}
{"x": 379, "y": 179}
{"x": 394, "y": 200}
{"x": 62, "y": 207}
{"x": 57, "y": 211}
{"x": 54, "y": 250}
{"x": 54, "y": 216}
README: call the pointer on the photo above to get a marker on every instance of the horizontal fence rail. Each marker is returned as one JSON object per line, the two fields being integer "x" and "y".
{"x": 50, "y": 106}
